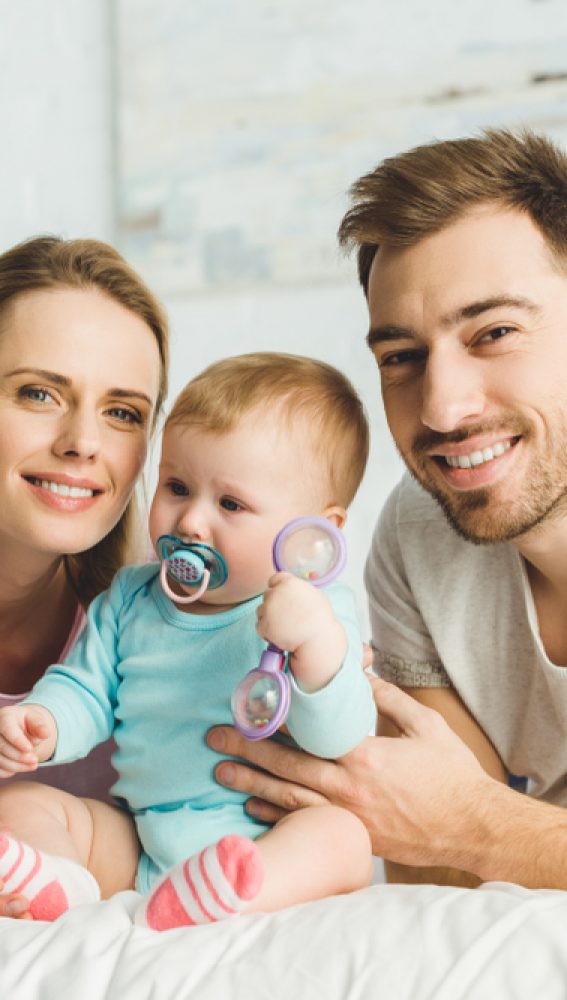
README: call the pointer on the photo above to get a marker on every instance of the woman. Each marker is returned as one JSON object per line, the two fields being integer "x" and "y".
{"x": 83, "y": 373}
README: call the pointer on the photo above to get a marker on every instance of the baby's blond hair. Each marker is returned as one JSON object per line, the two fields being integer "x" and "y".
{"x": 225, "y": 392}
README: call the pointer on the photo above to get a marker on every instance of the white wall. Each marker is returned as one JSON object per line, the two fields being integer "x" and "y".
{"x": 242, "y": 125}
{"x": 215, "y": 142}
{"x": 56, "y": 137}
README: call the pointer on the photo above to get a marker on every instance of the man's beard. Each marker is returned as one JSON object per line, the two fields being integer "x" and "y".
{"x": 476, "y": 515}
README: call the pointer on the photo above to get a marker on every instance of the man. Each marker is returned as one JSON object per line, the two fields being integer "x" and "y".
{"x": 462, "y": 252}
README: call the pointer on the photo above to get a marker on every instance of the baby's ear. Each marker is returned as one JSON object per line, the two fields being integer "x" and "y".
{"x": 337, "y": 515}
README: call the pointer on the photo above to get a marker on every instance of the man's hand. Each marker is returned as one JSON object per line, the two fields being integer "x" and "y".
{"x": 28, "y": 735}
{"x": 417, "y": 795}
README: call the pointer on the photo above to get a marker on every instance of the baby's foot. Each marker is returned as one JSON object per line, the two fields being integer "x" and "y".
{"x": 218, "y": 882}
{"x": 49, "y": 883}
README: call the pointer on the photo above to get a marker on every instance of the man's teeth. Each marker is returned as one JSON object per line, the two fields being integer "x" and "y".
{"x": 61, "y": 489}
{"x": 477, "y": 457}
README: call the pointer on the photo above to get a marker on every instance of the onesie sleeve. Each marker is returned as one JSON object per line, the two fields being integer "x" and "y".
{"x": 404, "y": 652}
{"x": 81, "y": 692}
{"x": 333, "y": 720}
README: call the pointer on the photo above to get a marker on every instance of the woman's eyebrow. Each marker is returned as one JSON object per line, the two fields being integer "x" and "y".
{"x": 41, "y": 373}
{"x": 66, "y": 382}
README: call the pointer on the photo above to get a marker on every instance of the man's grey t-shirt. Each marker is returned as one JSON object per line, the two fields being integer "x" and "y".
{"x": 449, "y": 613}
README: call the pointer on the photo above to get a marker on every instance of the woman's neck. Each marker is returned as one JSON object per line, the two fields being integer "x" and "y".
{"x": 44, "y": 600}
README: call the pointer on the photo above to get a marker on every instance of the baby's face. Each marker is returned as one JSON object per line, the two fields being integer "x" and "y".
{"x": 234, "y": 492}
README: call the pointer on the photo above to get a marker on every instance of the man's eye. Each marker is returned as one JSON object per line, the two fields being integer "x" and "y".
{"x": 229, "y": 504}
{"x": 398, "y": 358}
{"x": 496, "y": 333}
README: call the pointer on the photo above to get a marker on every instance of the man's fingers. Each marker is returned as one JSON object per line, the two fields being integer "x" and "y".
{"x": 265, "y": 812}
{"x": 397, "y": 706}
{"x": 285, "y": 762}
{"x": 367, "y": 656}
{"x": 285, "y": 795}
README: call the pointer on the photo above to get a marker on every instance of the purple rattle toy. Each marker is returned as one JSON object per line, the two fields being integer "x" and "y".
{"x": 313, "y": 549}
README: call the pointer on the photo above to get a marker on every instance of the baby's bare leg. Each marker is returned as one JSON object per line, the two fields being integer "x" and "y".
{"x": 314, "y": 852}
{"x": 95, "y": 835}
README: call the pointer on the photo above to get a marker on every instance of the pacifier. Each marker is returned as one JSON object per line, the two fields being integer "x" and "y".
{"x": 313, "y": 549}
{"x": 192, "y": 564}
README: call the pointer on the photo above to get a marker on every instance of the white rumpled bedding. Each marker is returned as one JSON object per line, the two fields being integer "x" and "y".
{"x": 391, "y": 942}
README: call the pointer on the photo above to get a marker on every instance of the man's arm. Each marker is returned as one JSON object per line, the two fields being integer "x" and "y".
{"x": 424, "y": 798}
{"x": 450, "y": 706}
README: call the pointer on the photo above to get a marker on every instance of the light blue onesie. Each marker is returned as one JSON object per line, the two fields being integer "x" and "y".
{"x": 158, "y": 679}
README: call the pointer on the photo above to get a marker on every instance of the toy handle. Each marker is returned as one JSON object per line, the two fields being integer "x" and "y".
{"x": 272, "y": 659}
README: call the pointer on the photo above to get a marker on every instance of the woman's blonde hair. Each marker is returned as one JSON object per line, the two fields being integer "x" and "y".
{"x": 301, "y": 388}
{"x": 417, "y": 193}
{"x": 46, "y": 262}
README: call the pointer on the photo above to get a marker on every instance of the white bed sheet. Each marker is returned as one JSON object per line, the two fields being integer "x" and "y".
{"x": 392, "y": 942}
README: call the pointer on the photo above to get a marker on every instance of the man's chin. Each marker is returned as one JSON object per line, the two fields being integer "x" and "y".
{"x": 472, "y": 515}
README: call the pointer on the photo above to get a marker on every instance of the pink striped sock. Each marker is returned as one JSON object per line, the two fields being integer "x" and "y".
{"x": 216, "y": 883}
{"x": 51, "y": 884}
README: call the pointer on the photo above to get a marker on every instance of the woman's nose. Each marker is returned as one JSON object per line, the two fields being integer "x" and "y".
{"x": 79, "y": 436}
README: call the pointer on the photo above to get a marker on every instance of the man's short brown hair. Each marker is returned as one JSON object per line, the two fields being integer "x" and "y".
{"x": 419, "y": 192}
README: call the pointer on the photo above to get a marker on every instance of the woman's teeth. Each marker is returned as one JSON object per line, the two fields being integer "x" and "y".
{"x": 477, "y": 457}
{"x": 61, "y": 489}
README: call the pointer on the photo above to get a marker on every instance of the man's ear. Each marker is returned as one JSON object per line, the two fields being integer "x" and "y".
{"x": 337, "y": 515}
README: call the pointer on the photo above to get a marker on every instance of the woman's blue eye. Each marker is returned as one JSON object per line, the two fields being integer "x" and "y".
{"x": 124, "y": 415}
{"x": 34, "y": 393}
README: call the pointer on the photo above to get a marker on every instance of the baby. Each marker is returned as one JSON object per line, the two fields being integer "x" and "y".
{"x": 251, "y": 443}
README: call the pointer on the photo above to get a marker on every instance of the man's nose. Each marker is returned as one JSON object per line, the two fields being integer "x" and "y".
{"x": 453, "y": 391}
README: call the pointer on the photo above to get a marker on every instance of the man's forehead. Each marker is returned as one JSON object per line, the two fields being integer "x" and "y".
{"x": 498, "y": 255}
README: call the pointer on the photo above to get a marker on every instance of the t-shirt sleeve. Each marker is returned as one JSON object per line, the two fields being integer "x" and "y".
{"x": 404, "y": 652}
{"x": 333, "y": 720}
{"x": 81, "y": 692}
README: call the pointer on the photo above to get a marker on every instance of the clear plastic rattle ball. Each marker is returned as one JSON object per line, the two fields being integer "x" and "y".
{"x": 257, "y": 699}
{"x": 311, "y": 549}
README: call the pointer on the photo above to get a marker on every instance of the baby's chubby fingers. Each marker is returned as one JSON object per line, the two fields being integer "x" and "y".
{"x": 23, "y": 728}
{"x": 14, "y": 738}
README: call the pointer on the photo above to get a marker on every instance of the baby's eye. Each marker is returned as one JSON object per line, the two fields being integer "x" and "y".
{"x": 178, "y": 489}
{"x": 229, "y": 504}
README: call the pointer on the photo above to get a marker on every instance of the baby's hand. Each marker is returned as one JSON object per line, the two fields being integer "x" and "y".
{"x": 293, "y": 612}
{"x": 28, "y": 735}
{"x": 298, "y": 618}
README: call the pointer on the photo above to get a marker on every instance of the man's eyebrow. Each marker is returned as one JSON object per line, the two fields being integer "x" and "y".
{"x": 63, "y": 380}
{"x": 391, "y": 332}
{"x": 380, "y": 334}
{"x": 475, "y": 309}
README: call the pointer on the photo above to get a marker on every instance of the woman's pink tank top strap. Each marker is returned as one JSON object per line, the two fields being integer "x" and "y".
{"x": 77, "y": 627}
